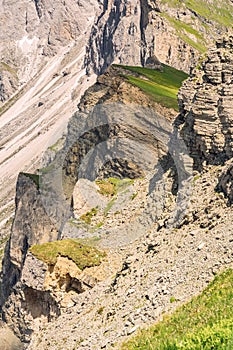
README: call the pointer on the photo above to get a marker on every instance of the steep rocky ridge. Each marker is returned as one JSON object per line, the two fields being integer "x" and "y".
{"x": 40, "y": 53}
{"x": 36, "y": 227}
{"x": 138, "y": 295}
{"x": 140, "y": 292}
{"x": 160, "y": 265}
{"x": 176, "y": 32}
{"x": 206, "y": 100}
{"x": 41, "y": 80}
{"x": 110, "y": 112}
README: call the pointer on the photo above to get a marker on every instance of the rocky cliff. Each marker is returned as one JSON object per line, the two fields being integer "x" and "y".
{"x": 47, "y": 48}
{"x": 175, "y": 32}
{"x": 34, "y": 228}
{"x": 120, "y": 131}
{"x": 205, "y": 101}
{"x": 114, "y": 31}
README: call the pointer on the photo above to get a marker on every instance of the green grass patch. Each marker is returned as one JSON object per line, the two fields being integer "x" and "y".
{"x": 161, "y": 86}
{"x": 97, "y": 226}
{"x": 87, "y": 217}
{"x": 81, "y": 254}
{"x": 219, "y": 12}
{"x": 205, "y": 323}
{"x": 111, "y": 186}
{"x": 183, "y": 30}
{"x": 109, "y": 206}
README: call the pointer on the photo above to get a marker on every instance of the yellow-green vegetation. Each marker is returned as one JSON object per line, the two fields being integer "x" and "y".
{"x": 90, "y": 241}
{"x": 220, "y": 12}
{"x": 205, "y": 323}
{"x": 81, "y": 254}
{"x": 2, "y": 245}
{"x": 196, "y": 177}
{"x": 100, "y": 310}
{"x": 56, "y": 146}
{"x": 161, "y": 86}
{"x": 106, "y": 188}
{"x": 134, "y": 195}
{"x": 111, "y": 186}
{"x": 87, "y": 217}
{"x": 184, "y": 30}
{"x": 97, "y": 226}
{"x": 206, "y": 14}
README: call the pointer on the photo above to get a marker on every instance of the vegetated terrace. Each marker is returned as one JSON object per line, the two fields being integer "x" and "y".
{"x": 161, "y": 86}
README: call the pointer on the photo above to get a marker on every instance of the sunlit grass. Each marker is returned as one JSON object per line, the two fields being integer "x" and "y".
{"x": 205, "y": 323}
{"x": 81, "y": 254}
{"x": 161, "y": 86}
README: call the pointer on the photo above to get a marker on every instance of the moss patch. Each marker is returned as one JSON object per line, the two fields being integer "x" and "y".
{"x": 89, "y": 215}
{"x": 204, "y": 323}
{"x": 111, "y": 186}
{"x": 81, "y": 254}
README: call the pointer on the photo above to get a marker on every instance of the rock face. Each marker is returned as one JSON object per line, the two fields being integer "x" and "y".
{"x": 161, "y": 264}
{"x": 117, "y": 122}
{"x": 31, "y": 31}
{"x": 35, "y": 227}
{"x": 117, "y": 125}
{"x": 206, "y": 106}
{"x": 127, "y": 32}
{"x": 226, "y": 183}
{"x": 133, "y": 32}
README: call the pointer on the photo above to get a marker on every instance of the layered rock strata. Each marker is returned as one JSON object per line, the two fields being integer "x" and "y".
{"x": 206, "y": 106}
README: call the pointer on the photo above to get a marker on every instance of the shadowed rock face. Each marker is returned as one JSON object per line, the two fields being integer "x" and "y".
{"x": 31, "y": 225}
{"x": 206, "y": 106}
{"x": 226, "y": 183}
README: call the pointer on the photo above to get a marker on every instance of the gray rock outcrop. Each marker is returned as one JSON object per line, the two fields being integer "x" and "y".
{"x": 206, "y": 106}
{"x": 226, "y": 183}
{"x": 31, "y": 225}
{"x": 111, "y": 113}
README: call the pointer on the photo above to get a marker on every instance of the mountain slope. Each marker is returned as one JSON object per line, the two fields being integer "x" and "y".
{"x": 170, "y": 229}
